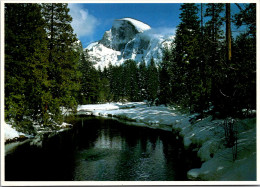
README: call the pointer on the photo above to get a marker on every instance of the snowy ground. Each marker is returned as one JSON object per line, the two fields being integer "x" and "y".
{"x": 206, "y": 135}
{"x": 14, "y": 138}
{"x": 11, "y": 133}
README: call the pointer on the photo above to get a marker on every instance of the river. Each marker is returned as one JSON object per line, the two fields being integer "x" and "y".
{"x": 98, "y": 149}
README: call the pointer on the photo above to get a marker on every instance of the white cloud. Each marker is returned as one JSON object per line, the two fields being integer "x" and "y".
{"x": 83, "y": 23}
{"x": 160, "y": 32}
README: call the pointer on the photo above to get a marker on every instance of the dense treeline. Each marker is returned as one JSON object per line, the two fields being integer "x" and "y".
{"x": 46, "y": 69}
{"x": 203, "y": 70}
{"x": 128, "y": 82}
{"x": 131, "y": 82}
{"x": 200, "y": 71}
{"x": 41, "y": 64}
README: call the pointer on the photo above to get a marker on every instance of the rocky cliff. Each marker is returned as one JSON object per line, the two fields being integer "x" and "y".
{"x": 128, "y": 39}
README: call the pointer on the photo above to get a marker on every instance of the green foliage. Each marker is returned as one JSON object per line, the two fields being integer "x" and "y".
{"x": 123, "y": 81}
{"x": 152, "y": 81}
{"x": 89, "y": 81}
{"x": 130, "y": 77}
{"x": 213, "y": 25}
{"x": 236, "y": 86}
{"x": 195, "y": 73}
{"x": 26, "y": 79}
{"x": 129, "y": 82}
{"x": 165, "y": 78}
{"x": 186, "y": 58}
{"x": 63, "y": 58}
{"x": 116, "y": 82}
{"x": 40, "y": 64}
{"x": 142, "y": 81}
{"x": 239, "y": 85}
{"x": 247, "y": 17}
{"x": 231, "y": 137}
{"x": 104, "y": 91}
{"x": 46, "y": 68}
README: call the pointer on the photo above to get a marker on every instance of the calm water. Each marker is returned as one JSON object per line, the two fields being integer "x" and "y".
{"x": 103, "y": 150}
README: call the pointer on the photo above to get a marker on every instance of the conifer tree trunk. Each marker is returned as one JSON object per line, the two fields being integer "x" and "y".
{"x": 203, "y": 94}
{"x": 201, "y": 17}
{"x": 214, "y": 24}
{"x": 228, "y": 32}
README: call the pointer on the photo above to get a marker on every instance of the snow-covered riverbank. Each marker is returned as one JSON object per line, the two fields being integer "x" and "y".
{"x": 11, "y": 134}
{"x": 14, "y": 138}
{"x": 207, "y": 135}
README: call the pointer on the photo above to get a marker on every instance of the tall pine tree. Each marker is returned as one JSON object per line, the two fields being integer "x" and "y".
{"x": 187, "y": 83}
{"x": 89, "y": 81}
{"x": 152, "y": 81}
{"x": 142, "y": 81}
{"x": 165, "y": 94}
{"x": 63, "y": 59}
{"x": 26, "y": 79}
{"x": 213, "y": 54}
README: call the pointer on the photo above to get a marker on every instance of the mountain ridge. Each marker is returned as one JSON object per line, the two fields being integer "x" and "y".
{"x": 127, "y": 39}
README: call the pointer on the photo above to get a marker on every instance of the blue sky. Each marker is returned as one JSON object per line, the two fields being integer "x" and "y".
{"x": 91, "y": 20}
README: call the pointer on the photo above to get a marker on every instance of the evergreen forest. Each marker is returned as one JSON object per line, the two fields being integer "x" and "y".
{"x": 208, "y": 69}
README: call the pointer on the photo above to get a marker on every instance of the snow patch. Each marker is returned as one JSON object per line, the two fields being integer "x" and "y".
{"x": 140, "y": 26}
{"x": 11, "y": 133}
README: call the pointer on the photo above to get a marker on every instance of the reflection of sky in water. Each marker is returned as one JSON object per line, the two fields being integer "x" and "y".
{"x": 115, "y": 160}
{"x": 125, "y": 153}
{"x": 151, "y": 163}
{"x": 104, "y": 141}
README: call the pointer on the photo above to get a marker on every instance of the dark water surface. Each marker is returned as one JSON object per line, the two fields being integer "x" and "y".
{"x": 99, "y": 149}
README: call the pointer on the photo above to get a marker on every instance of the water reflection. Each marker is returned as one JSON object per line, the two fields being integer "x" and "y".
{"x": 105, "y": 141}
{"x": 102, "y": 150}
{"x": 122, "y": 152}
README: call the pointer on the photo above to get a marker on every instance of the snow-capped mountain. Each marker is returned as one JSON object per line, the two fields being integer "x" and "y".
{"x": 128, "y": 39}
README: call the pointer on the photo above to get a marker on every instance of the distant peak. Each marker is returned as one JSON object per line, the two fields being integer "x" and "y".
{"x": 140, "y": 26}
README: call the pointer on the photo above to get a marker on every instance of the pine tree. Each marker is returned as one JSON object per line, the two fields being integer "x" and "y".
{"x": 104, "y": 90}
{"x": 187, "y": 83}
{"x": 63, "y": 59}
{"x": 89, "y": 80}
{"x": 247, "y": 17}
{"x": 240, "y": 89}
{"x": 213, "y": 25}
{"x": 228, "y": 33}
{"x": 165, "y": 78}
{"x": 142, "y": 81}
{"x": 152, "y": 81}
{"x": 26, "y": 79}
{"x": 130, "y": 72}
{"x": 213, "y": 55}
{"x": 117, "y": 82}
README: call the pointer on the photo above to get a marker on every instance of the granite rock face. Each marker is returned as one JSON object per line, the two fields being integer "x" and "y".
{"x": 128, "y": 39}
{"x": 119, "y": 35}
